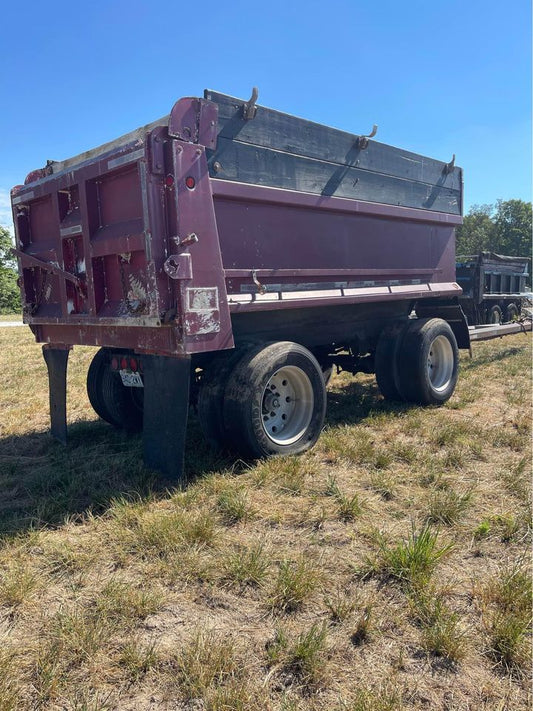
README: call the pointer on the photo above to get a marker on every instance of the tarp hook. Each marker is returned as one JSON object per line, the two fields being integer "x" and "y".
{"x": 450, "y": 167}
{"x": 363, "y": 141}
{"x": 250, "y": 109}
{"x": 260, "y": 287}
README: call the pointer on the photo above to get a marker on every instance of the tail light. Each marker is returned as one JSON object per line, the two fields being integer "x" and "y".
{"x": 126, "y": 362}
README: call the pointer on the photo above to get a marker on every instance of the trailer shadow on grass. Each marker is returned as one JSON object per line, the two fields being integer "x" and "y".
{"x": 486, "y": 357}
{"x": 355, "y": 401}
{"x": 44, "y": 483}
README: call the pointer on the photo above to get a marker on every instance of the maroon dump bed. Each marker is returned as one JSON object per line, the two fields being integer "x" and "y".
{"x": 225, "y": 227}
{"x": 150, "y": 242}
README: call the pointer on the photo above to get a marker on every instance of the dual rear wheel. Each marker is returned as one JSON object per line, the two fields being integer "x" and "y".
{"x": 417, "y": 361}
{"x": 122, "y": 407}
{"x": 272, "y": 400}
{"x": 495, "y": 314}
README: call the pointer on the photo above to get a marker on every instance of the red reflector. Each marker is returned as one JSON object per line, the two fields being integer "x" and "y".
{"x": 190, "y": 182}
{"x": 114, "y": 363}
{"x": 169, "y": 181}
{"x": 123, "y": 364}
{"x": 133, "y": 364}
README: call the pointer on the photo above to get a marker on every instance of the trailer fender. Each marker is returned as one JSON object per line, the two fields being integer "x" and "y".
{"x": 449, "y": 311}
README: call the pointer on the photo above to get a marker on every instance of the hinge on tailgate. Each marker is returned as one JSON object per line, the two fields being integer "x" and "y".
{"x": 178, "y": 266}
{"x": 194, "y": 121}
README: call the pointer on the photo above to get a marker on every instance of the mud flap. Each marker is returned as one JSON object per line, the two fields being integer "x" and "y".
{"x": 56, "y": 358}
{"x": 166, "y": 406}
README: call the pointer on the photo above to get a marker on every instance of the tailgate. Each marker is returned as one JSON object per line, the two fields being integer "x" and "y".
{"x": 84, "y": 243}
{"x": 116, "y": 250}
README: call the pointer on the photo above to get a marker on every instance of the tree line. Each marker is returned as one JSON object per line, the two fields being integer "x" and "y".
{"x": 504, "y": 228}
{"x": 9, "y": 291}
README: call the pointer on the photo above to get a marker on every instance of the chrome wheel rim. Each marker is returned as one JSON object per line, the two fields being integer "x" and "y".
{"x": 440, "y": 363}
{"x": 287, "y": 405}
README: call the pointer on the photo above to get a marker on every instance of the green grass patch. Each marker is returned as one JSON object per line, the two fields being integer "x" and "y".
{"x": 411, "y": 561}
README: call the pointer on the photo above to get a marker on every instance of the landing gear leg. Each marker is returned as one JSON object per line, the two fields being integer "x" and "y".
{"x": 56, "y": 358}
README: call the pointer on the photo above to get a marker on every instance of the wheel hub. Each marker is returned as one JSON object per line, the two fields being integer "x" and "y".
{"x": 287, "y": 405}
{"x": 440, "y": 363}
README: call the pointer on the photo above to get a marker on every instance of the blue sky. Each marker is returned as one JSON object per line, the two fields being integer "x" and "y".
{"x": 437, "y": 77}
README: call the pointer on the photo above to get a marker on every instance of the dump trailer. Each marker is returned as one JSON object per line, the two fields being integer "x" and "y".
{"x": 229, "y": 256}
{"x": 492, "y": 286}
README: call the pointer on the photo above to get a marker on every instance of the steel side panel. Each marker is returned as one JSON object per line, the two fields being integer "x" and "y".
{"x": 278, "y": 230}
{"x": 286, "y": 133}
{"x": 279, "y": 196}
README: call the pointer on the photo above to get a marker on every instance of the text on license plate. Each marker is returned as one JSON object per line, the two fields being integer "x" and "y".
{"x": 131, "y": 380}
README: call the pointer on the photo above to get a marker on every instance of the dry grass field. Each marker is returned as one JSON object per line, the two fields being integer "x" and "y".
{"x": 386, "y": 569}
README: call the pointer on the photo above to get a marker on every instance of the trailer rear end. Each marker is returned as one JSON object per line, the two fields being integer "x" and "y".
{"x": 233, "y": 254}
{"x": 492, "y": 286}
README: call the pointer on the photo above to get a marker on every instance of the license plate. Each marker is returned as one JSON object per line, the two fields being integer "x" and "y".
{"x": 131, "y": 380}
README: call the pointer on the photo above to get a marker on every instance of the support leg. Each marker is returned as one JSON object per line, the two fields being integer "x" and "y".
{"x": 56, "y": 358}
{"x": 166, "y": 407}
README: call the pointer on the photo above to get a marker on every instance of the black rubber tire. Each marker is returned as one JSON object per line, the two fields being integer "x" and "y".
{"x": 112, "y": 401}
{"x": 512, "y": 312}
{"x": 245, "y": 395}
{"x": 327, "y": 373}
{"x": 386, "y": 362}
{"x": 494, "y": 314}
{"x": 94, "y": 377}
{"x": 211, "y": 398}
{"x": 428, "y": 360}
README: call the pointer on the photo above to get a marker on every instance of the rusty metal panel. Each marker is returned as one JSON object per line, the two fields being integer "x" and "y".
{"x": 87, "y": 254}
